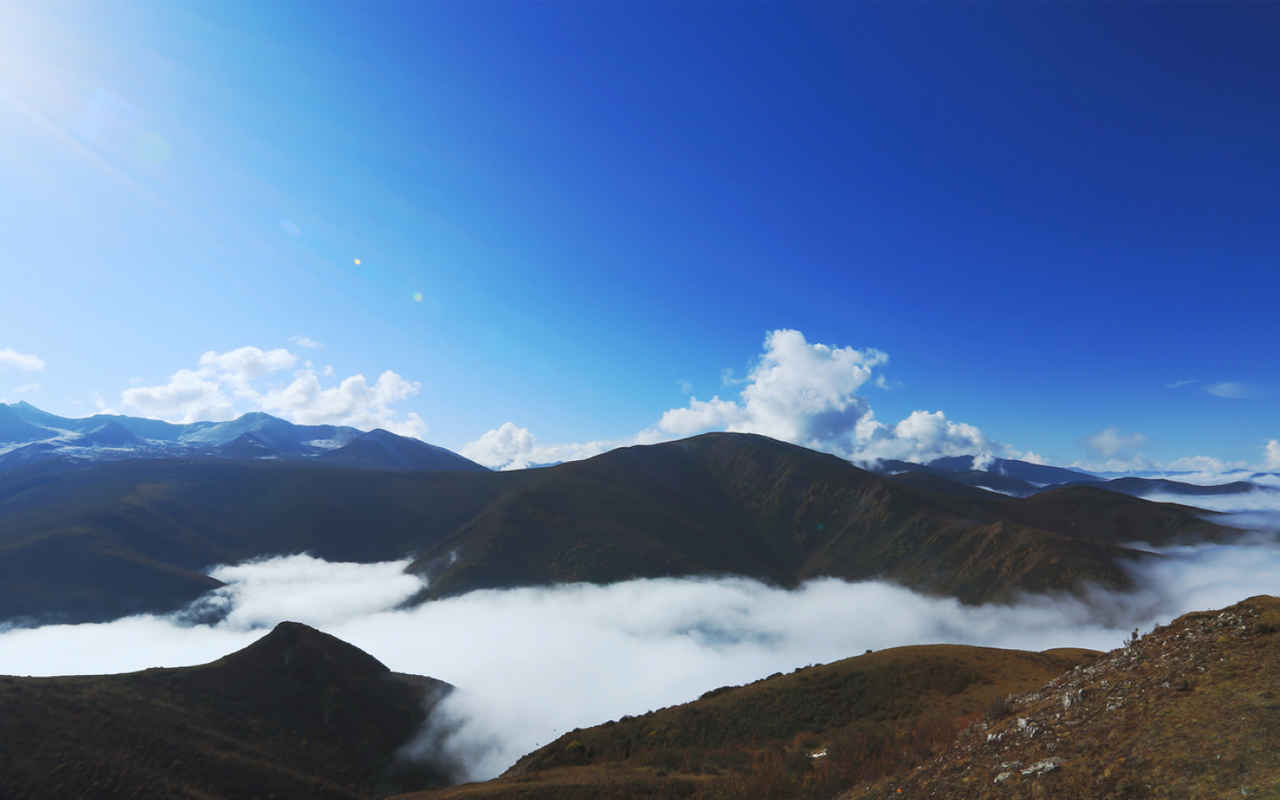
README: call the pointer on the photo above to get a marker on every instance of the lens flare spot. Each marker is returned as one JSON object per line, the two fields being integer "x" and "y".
{"x": 355, "y": 261}
{"x": 417, "y": 297}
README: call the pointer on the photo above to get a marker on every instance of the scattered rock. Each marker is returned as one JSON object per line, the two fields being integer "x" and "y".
{"x": 1043, "y": 767}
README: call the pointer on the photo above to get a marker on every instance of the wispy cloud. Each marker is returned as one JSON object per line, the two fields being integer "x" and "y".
{"x": 1179, "y": 384}
{"x": 306, "y": 341}
{"x": 1228, "y": 389}
{"x": 26, "y": 362}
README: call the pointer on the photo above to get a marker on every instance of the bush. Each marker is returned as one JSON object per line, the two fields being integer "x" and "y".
{"x": 998, "y": 709}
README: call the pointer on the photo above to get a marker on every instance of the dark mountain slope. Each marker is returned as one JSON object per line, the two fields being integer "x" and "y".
{"x": 246, "y": 446}
{"x": 297, "y": 714}
{"x": 379, "y": 449}
{"x": 94, "y": 541}
{"x": 749, "y": 505}
{"x": 1042, "y": 474}
{"x": 1189, "y": 710}
{"x": 1097, "y": 514}
{"x": 98, "y": 541}
{"x": 872, "y": 715}
{"x": 1145, "y": 486}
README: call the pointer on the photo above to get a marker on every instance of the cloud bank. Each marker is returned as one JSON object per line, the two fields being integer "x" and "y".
{"x": 224, "y": 385}
{"x": 532, "y": 663}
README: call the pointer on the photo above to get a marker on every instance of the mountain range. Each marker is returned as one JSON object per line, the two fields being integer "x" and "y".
{"x": 1023, "y": 479}
{"x": 30, "y": 436}
{"x": 108, "y": 516}
{"x": 98, "y": 540}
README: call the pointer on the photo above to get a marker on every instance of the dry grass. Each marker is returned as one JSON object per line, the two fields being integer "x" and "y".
{"x": 1190, "y": 710}
{"x": 874, "y": 715}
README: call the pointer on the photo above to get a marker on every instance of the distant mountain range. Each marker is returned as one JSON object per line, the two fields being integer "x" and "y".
{"x": 96, "y": 541}
{"x": 1023, "y": 479}
{"x": 30, "y": 436}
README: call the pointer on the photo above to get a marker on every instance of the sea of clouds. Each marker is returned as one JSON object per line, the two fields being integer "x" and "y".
{"x": 532, "y": 663}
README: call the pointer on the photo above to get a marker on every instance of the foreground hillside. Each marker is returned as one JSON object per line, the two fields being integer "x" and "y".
{"x": 296, "y": 714}
{"x": 1191, "y": 710}
{"x": 871, "y": 715}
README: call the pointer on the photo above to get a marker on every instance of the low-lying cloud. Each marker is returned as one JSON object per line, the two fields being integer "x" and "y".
{"x": 532, "y": 663}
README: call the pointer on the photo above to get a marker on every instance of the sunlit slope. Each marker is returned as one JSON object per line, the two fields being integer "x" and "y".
{"x": 1189, "y": 710}
{"x": 296, "y": 714}
{"x": 871, "y": 715}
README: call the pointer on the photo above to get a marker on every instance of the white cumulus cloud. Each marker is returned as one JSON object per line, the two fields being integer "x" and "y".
{"x": 923, "y": 436}
{"x": 26, "y": 362}
{"x": 225, "y": 385}
{"x": 189, "y": 396}
{"x": 353, "y": 402}
{"x": 798, "y": 391}
{"x": 1111, "y": 443}
{"x": 510, "y": 446}
{"x": 1272, "y": 451}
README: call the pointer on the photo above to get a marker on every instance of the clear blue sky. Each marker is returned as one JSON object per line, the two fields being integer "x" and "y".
{"x": 1044, "y": 217}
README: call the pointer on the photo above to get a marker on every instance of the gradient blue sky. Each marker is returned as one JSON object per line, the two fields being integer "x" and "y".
{"x": 1045, "y": 217}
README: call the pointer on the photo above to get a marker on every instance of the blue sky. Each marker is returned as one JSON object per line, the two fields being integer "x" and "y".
{"x": 1046, "y": 218}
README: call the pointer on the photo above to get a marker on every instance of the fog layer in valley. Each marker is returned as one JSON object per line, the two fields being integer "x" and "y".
{"x": 532, "y": 663}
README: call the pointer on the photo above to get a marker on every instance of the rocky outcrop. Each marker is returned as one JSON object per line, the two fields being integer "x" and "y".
{"x": 1191, "y": 709}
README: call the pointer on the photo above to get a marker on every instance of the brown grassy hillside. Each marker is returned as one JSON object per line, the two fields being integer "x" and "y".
{"x": 872, "y": 715}
{"x": 1191, "y": 710}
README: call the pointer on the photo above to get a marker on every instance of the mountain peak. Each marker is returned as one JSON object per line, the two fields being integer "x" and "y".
{"x": 109, "y": 434}
{"x": 294, "y": 648}
{"x": 382, "y": 449}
